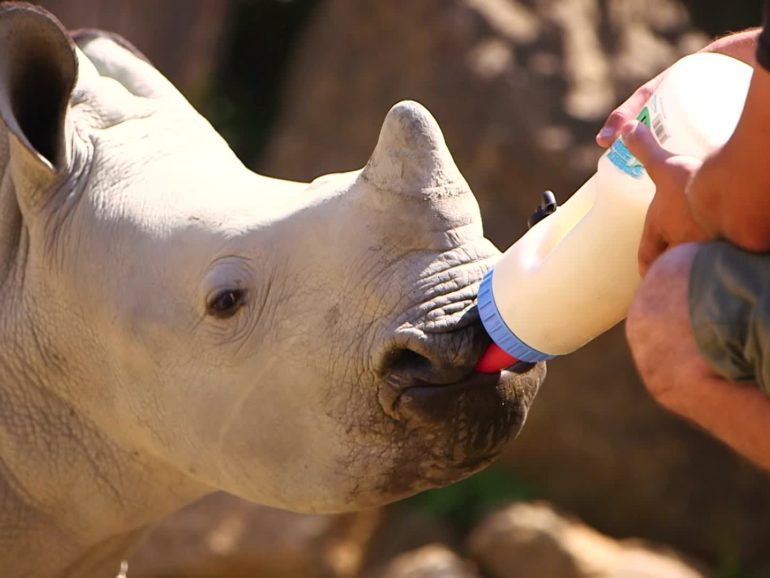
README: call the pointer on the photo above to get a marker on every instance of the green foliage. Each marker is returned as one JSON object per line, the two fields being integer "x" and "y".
{"x": 728, "y": 562}
{"x": 243, "y": 97}
{"x": 729, "y": 566}
{"x": 463, "y": 504}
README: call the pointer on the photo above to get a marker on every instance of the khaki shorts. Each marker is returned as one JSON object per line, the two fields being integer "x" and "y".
{"x": 729, "y": 299}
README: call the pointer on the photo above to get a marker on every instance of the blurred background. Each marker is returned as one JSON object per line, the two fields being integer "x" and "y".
{"x": 601, "y": 482}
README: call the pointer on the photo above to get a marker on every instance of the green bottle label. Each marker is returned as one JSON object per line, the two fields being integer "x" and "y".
{"x": 621, "y": 157}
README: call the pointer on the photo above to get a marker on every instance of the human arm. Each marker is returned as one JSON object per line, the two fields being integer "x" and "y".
{"x": 730, "y": 195}
{"x": 699, "y": 334}
{"x": 669, "y": 220}
{"x": 727, "y": 196}
{"x": 712, "y": 207}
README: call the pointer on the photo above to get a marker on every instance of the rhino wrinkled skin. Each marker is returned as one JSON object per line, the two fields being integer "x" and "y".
{"x": 173, "y": 324}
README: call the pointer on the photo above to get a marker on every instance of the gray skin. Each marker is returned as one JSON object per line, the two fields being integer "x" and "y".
{"x": 172, "y": 323}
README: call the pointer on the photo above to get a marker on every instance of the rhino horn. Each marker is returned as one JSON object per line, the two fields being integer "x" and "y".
{"x": 411, "y": 157}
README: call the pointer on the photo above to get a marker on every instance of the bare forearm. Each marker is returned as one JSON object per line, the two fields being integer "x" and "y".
{"x": 730, "y": 195}
{"x": 740, "y": 45}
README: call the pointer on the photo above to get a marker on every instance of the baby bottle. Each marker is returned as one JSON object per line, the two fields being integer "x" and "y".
{"x": 572, "y": 276}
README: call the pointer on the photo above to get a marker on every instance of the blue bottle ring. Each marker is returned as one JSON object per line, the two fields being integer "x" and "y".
{"x": 499, "y": 331}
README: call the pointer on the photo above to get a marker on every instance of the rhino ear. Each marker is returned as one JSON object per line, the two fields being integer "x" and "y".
{"x": 38, "y": 71}
{"x": 117, "y": 58}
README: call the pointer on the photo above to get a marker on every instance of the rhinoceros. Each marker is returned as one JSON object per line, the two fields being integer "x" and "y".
{"x": 172, "y": 323}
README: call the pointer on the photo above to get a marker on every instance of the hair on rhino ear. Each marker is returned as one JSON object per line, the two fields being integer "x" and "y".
{"x": 38, "y": 71}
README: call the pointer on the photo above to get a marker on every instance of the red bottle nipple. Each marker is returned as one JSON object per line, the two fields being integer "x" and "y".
{"x": 494, "y": 359}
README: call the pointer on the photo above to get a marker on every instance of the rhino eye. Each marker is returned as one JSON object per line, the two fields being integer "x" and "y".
{"x": 226, "y": 303}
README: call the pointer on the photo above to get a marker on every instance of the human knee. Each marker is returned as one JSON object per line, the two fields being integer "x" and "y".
{"x": 658, "y": 319}
{"x": 661, "y": 293}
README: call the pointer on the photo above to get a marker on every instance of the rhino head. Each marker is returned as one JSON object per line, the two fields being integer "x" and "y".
{"x": 173, "y": 323}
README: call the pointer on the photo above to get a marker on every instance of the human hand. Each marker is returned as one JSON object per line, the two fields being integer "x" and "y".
{"x": 669, "y": 220}
{"x": 627, "y": 112}
{"x": 740, "y": 45}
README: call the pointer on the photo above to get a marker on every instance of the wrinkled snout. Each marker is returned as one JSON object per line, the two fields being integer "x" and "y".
{"x": 462, "y": 418}
{"x": 408, "y": 256}
{"x": 426, "y": 368}
{"x": 437, "y": 359}
{"x": 426, "y": 372}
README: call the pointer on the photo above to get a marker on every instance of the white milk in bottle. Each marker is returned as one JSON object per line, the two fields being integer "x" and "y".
{"x": 572, "y": 276}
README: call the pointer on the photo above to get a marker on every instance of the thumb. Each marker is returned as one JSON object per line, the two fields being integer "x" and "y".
{"x": 642, "y": 144}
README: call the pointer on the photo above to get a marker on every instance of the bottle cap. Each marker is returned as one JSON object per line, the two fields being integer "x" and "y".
{"x": 500, "y": 333}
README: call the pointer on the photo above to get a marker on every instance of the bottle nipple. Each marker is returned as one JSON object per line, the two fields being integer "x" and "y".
{"x": 494, "y": 359}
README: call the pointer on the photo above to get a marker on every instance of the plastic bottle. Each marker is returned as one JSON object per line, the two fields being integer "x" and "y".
{"x": 572, "y": 276}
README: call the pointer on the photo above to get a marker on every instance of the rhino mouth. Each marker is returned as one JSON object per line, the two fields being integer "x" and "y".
{"x": 449, "y": 420}
{"x": 453, "y": 430}
{"x": 409, "y": 396}
{"x": 423, "y": 373}
{"x": 428, "y": 389}
{"x": 478, "y": 396}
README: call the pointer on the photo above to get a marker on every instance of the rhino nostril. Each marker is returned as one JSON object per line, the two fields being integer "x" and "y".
{"x": 407, "y": 367}
{"x": 408, "y": 361}
{"x": 437, "y": 358}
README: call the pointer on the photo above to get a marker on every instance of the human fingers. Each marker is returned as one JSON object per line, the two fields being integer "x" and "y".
{"x": 668, "y": 221}
{"x": 642, "y": 144}
{"x": 626, "y": 112}
{"x": 651, "y": 246}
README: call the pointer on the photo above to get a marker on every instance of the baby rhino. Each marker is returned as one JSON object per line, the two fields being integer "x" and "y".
{"x": 173, "y": 324}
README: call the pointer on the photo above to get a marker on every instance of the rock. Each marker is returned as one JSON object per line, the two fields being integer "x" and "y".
{"x": 222, "y": 536}
{"x": 433, "y": 561}
{"x": 533, "y": 541}
{"x": 520, "y": 88}
{"x": 406, "y": 528}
